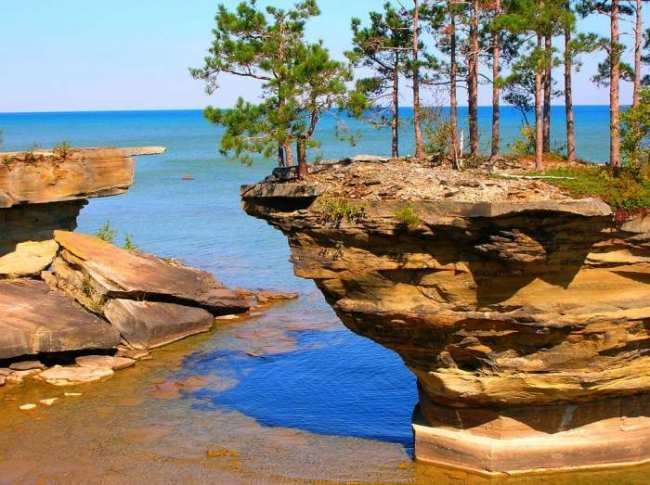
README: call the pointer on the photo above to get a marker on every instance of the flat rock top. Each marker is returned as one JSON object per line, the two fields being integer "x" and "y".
{"x": 66, "y": 174}
{"x": 469, "y": 192}
{"x": 122, "y": 272}
{"x": 411, "y": 180}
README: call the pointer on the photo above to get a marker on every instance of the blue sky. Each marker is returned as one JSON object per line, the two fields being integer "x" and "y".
{"x": 69, "y": 55}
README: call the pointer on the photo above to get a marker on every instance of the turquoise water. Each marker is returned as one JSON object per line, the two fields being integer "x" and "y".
{"x": 332, "y": 382}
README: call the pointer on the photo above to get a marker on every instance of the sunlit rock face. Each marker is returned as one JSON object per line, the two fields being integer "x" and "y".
{"x": 523, "y": 313}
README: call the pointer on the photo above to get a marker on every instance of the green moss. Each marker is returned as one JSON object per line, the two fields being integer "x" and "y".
{"x": 408, "y": 216}
{"x": 626, "y": 189}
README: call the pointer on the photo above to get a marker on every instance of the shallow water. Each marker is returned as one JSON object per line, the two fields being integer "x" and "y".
{"x": 288, "y": 396}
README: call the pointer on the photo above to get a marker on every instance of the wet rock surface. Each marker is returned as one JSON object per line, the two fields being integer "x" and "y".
{"x": 107, "y": 361}
{"x": 73, "y": 376}
{"x": 498, "y": 293}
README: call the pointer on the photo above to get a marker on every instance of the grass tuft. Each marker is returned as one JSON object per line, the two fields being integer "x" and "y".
{"x": 626, "y": 189}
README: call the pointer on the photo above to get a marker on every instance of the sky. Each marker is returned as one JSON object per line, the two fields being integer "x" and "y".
{"x": 81, "y": 55}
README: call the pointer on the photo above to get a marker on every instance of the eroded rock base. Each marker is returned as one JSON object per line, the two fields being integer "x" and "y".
{"x": 612, "y": 432}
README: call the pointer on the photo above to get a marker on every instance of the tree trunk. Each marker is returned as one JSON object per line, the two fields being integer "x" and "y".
{"x": 615, "y": 74}
{"x": 395, "y": 121}
{"x": 568, "y": 97}
{"x": 453, "y": 100}
{"x": 288, "y": 155}
{"x": 472, "y": 81}
{"x": 281, "y": 159}
{"x": 419, "y": 140}
{"x": 548, "y": 86}
{"x": 496, "y": 91}
{"x": 638, "y": 33}
{"x": 539, "y": 129}
{"x": 301, "y": 147}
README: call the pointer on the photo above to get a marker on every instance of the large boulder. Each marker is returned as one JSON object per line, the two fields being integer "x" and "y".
{"x": 523, "y": 313}
{"x": 34, "y": 319}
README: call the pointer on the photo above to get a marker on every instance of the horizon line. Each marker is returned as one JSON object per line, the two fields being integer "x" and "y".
{"x": 153, "y": 110}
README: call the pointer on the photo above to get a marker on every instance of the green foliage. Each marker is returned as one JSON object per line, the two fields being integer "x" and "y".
{"x": 129, "y": 245}
{"x": 408, "y": 216}
{"x": 635, "y": 123}
{"x": 525, "y": 143}
{"x": 437, "y": 132}
{"x": 107, "y": 233}
{"x": 337, "y": 210}
{"x": 299, "y": 79}
{"x": 381, "y": 46}
{"x": 624, "y": 189}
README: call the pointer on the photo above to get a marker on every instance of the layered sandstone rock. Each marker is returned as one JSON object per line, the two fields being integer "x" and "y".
{"x": 37, "y": 178}
{"x": 524, "y": 313}
{"x": 151, "y": 301}
{"x": 34, "y": 319}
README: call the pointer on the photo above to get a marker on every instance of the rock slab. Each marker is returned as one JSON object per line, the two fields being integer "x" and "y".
{"x": 117, "y": 273}
{"x": 28, "y": 259}
{"x": 37, "y": 178}
{"x": 145, "y": 324}
{"x": 37, "y": 320}
{"x": 72, "y": 376}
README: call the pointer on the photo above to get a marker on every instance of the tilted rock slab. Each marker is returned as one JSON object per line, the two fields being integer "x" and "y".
{"x": 151, "y": 301}
{"x": 525, "y": 316}
{"x": 146, "y": 324}
{"x": 34, "y": 319}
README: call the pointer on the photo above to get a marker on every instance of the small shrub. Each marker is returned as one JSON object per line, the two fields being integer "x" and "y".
{"x": 436, "y": 130}
{"x": 107, "y": 233}
{"x": 525, "y": 143}
{"x": 62, "y": 150}
{"x": 129, "y": 245}
{"x": 408, "y": 216}
{"x": 338, "y": 210}
{"x": 95, "y": 302}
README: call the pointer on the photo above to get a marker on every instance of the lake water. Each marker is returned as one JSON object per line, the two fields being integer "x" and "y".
{"x": 293, "y": 391}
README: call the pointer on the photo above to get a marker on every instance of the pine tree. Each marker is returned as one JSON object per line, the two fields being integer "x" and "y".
{"x": 496, "y": 87}
{"x": 299, "y": 80}
{"x": 415, "y": 79}
{"x": 473, "y": 52}
{"x": 612, "y": 70}
{"x": 383, "y": 46}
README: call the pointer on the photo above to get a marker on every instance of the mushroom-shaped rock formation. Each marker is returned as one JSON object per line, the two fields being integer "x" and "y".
{"x": 524, "y": 313}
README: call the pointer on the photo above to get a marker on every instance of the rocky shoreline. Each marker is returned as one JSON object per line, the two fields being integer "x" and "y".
{"x": 521, "y": 310}
{"x": 75, "y": 308}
